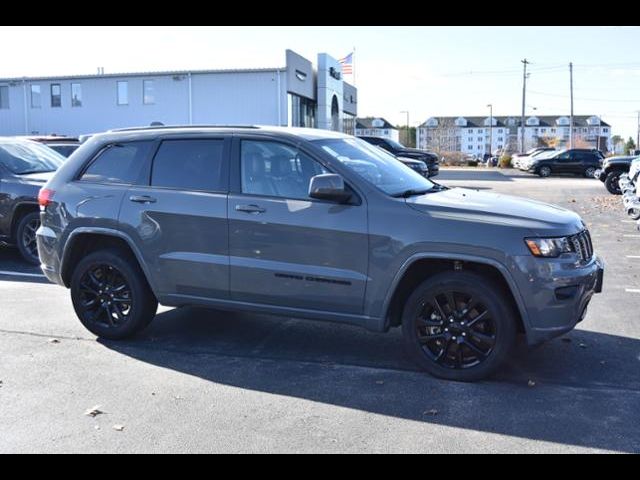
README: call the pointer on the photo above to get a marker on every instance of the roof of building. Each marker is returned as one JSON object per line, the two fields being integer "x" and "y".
{"x": 368, "y": 122}
{"x": 501, "y": 121}
{"x": 140, "y": 74}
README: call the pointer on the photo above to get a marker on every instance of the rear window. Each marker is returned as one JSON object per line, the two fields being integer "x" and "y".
{"x": 122, "y": 163}
{"x": 195, "y": 165}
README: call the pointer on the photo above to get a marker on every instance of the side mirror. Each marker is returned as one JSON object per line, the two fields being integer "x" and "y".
{"x": 329, "y": 186}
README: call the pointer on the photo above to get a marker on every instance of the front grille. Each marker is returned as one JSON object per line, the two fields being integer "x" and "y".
{"x": 582, "y": 245}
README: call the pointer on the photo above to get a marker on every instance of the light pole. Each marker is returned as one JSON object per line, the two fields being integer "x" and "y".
{"x": 406, "y": 137}
{"x": 490, "y": 130}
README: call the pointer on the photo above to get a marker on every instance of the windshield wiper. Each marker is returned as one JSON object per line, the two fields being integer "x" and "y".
{"x": 412, "y": 192}
{"x": 31, "y": 172}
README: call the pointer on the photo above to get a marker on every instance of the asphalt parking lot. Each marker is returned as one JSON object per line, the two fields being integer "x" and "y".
{"x": 209, "y": 381}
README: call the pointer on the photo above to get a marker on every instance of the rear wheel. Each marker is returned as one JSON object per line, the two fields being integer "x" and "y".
{"x": 544, "y": 172}
{"x": 612, "y": 183}
{"x": 111, "y": 296}
{"x": 457, "y": 326}
{"x": 26, "y": 237}
{"x": 589, "y": 172}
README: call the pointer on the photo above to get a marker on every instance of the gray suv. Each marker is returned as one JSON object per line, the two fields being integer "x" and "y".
{"x": 312, "y": 224}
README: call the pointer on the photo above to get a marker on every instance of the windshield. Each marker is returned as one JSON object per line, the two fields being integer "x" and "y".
{"x": 22, "y": 158}
{"x": 545, "y": 154}
{"x": 375, "y": 166}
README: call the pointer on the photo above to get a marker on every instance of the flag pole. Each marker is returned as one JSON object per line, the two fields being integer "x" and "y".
{"x": 353, "y": 62}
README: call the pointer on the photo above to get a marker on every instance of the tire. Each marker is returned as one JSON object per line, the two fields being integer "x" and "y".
{"x": 26, "y": 237}
{"x": 544, "y": 172}
{"x": 612, "y": 183}
{"x": 634, "y": 213}
{"x": 103, "y": 305}
{"x": 448, "y": 352}
{"x": 589, "y": 172}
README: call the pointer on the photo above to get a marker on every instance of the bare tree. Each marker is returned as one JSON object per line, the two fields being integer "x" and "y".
{"x": 443, "y": 137}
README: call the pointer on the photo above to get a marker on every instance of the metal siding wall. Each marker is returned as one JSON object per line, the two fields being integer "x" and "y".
{"x": 238, "y": 98}
{"x": 218, "y": 98}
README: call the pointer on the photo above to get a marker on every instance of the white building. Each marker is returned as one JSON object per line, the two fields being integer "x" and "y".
{"x": 474, "y": 135}
{"x": 376, "y": 127}
{"x": 296, "y": 94}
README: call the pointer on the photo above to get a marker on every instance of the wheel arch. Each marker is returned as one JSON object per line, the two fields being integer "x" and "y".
{"x": 20, "y": 210}
{"x": 422, "y": 266}
{"x": 85, "y": 240}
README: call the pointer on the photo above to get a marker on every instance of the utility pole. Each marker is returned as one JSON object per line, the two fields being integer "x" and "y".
{"x": 571, "y": 118}
{"x": 490, "y": 130}
{"x": 524, "y": 96}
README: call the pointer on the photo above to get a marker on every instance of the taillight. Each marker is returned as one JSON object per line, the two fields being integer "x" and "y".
{"x": 45, "y": 197}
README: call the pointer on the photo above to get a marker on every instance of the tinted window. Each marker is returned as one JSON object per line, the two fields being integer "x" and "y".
{"x": 76, "y": 95}
{"x": 121, "y": 163}
{"x": 276, "y": 170}
{"x": 56, "y": 95}
{"x": 4, "y": 96}
{"x": 190, "y": 165}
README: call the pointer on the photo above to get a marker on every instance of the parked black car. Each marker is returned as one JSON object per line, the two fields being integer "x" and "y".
{"x": 399, "y": 150}
{"x": 578, "y": 161}
{"x": 611, "y": 170}
{"x": 65, "y": 146}
{"x": 25, "y": 166}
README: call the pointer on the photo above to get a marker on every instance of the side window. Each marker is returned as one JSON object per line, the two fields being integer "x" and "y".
{"x": 122, "y": 163}
{"x": 563, "y": 157}
{"x": 274, "y": 169}
{"x": 190, "y": 165}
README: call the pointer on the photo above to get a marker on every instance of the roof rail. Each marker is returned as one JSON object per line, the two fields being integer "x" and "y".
{"x": 169, "y": 127}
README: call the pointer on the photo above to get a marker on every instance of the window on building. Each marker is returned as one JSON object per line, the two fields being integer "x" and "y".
{"x": 56, "y": 95}
{"x": 480, "y": 130}
{"x": 479, "y": 139}
{"x": 122, "y": 163}
{"x": 605, "y": 130}
{"x": 123, "y": 93}
{"x": 499, "y": 146}
{"x": 553, "y": 130}
{"x": 76, "y": 95}
{"x": 192, "y": 165}
{"x": 470, "y": 147}
{"x": 4, "y": 97}
{"x": 500, "y": 139}
{"x": 303, "y": 113}
{"x": 543, "y": 130}
{"x": 148, "y": 92}
{"x": 500, "y": 130}
{"x": 36, "y": 96}
{"x": 470, "y": 130}
{"x": 274, "y": 169}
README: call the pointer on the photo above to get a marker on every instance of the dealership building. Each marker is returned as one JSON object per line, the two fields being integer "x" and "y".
{"x": 298, "y": 94}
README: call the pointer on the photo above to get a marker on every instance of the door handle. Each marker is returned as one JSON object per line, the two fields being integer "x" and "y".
{"x": 142, "y": 199}
{"x": 255, "y": 209}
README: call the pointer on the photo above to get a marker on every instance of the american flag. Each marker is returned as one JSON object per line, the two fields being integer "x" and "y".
{"x": 347, "y": 64}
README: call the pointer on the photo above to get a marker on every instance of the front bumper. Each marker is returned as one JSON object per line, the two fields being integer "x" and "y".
{"x": 433, "y": 170}
{"x": 557, "y": 293}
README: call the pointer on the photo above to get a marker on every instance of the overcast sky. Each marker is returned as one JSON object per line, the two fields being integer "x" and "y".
{"x": 429, "y": 71}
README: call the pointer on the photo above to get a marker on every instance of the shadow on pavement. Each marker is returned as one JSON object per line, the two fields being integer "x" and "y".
{"x": 586, "y": 393}
{"x": 13, "y": 268}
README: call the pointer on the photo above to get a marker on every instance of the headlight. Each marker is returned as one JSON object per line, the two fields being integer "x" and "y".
{"x": 548, "y": 247}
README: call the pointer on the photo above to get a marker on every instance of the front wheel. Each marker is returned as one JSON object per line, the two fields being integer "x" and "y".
{"x": 612, "y": 183}
{"x": 544, "y": 172}
{"x": 26, "y": 237}
{"x": 111, "y": 295}
{"x": 458, "y": 326}
{"x": 589, "y": 172}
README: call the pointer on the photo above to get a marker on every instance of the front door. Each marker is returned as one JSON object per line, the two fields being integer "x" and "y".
{"x": 179, "y": 219}
{"x": 285, "y": 248}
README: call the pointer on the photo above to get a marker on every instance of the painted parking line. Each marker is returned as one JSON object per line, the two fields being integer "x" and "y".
{"x": 20, "y": 274}
{"x": 631, "y": 236}
{"x": 629, "y": 221}
{"x": 633, "y": 256}
{"x": 632, "y": 290}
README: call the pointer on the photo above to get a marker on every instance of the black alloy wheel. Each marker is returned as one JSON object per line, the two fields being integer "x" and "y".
{"x": 26, "y": 239}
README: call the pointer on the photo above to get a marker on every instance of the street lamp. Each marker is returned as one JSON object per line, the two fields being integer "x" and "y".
{"x": 406, "y": 138}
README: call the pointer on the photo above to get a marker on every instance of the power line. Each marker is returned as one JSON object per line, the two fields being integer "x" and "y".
{"x": 583, "y": 98}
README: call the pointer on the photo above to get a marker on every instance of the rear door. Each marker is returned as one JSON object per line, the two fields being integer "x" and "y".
{"x": 179, "y": 219}
{"x": 287, "y": 249}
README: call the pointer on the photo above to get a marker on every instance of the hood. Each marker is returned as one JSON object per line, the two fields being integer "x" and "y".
{"x": 36, "y": 177}
{"x": 538, "y": 218}
{"x": 617, "y": 161}
{"x": 415, "y": 153}
{"x": 411, "y": 161}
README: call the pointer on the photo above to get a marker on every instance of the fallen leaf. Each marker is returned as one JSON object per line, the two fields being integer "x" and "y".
{"x": 97, "y": 427}
{"x": 432, "y": 413}
{"x": 53, "y": 340}
{"x": 94, "y": 412}
{"x": 118, "y": 428}
{"x": 531, "y": 384}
